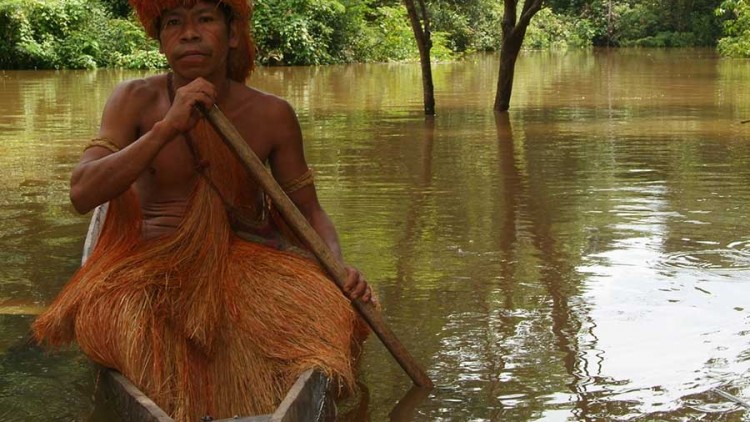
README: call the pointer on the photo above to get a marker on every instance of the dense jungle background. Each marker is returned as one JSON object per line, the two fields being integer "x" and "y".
{"x": 87, "y": 34}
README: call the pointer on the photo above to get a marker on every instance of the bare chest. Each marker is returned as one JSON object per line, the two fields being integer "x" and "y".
{"x": 172, "y": 174}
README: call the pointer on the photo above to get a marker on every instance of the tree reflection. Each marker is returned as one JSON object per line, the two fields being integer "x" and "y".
{"x": 526, "y": 201}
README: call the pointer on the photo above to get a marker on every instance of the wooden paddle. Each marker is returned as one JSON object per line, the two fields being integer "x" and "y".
{"x": 302, "y": 228}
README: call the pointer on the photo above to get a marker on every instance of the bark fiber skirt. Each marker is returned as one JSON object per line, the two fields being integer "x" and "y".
{"x": 205, "y": 323}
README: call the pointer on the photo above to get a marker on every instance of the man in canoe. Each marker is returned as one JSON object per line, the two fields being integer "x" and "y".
{"x": 194, "y": 291}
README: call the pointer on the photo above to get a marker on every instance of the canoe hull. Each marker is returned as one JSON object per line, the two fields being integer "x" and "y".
{"x": 309, "y": 399}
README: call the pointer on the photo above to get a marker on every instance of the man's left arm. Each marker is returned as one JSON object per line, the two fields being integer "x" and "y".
{"x": 288, "y": 164}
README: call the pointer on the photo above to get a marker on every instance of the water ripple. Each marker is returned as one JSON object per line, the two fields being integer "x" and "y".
{"x": 732, "y": 258}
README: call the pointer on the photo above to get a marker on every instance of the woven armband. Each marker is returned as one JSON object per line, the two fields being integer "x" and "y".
{"x": 102, "y": 142}
{"x": 298, "y": 183}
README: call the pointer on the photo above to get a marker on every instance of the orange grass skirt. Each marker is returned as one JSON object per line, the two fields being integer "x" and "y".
{"x": 203, "y": 322}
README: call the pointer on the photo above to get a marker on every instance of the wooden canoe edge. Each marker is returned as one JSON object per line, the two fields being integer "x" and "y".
{"x": 307, "y": 400}
{"x": 95, "y": 227}
{"x": 131, "y": 403}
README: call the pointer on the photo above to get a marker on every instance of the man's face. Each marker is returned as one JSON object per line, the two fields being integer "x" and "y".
{"x": 196, "y": 40}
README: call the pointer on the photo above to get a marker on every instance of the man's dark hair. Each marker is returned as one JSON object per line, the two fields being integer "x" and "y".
{"x": 225, "y": 9}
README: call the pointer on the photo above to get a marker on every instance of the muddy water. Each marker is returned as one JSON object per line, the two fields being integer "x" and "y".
{"x": 584, "y": 257}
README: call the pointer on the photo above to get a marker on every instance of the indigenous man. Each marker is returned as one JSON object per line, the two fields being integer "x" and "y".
{"x": 174, "y": 295}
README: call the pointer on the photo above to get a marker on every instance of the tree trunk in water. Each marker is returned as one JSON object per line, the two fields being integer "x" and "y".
{"x": 424, "y": 44}
{"x": 427, "y": 85}
{"x": 514, "y": 31}
{"x": 508, "y": 56}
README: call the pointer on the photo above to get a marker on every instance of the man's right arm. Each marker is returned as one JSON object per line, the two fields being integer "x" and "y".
{"x": 102, "y": 175}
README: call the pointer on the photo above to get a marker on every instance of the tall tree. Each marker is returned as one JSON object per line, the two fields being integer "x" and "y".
{"x": 420, "y": 24}
{"x": 514, "y": 31}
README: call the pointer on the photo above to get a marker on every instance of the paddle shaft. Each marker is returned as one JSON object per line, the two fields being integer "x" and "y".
{"x": 302, "y": 228}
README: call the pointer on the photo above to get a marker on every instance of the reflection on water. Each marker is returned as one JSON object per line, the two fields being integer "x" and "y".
{"x": 584, "y": 257}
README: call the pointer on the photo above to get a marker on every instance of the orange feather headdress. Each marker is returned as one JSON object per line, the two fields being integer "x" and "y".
{"x": 241, "y": 59}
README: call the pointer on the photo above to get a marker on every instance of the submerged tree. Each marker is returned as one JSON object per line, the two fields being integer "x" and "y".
{"x": 514, "y": 31}
{"x": 420, "y": 24}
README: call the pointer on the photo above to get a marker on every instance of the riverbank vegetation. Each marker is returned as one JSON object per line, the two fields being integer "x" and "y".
{"x": 53, "y": 34}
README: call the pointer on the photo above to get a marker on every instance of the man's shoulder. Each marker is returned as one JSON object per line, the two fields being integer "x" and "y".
{"x": 261, "y": 103}
{"x": 254, "y": 95}
{"x": 140, "y": 91}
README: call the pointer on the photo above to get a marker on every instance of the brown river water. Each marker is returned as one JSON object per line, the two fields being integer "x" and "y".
{"x": 584, "y": 257}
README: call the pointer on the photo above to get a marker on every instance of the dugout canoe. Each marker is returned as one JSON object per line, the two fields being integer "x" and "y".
{"x": 309, "y": 399}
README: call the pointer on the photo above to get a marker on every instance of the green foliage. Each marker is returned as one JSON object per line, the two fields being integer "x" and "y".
{"x": 440, "y": 50}
{"x": 387, "y": 37}
{"x": 668, "y": 23}
{"x": 47, "y": 34}
{"x": 469, "y": 25}
{"x": 310, "y": 32}
{"x": 706, "y": 27}
{"x": 301, "y": 32}
{"x": 550, "y": 30}
{"x": 50, "y": 34}
{"x": 142, "y": 59}
{"x": 636, "y": 22}
{"x": 126, "y": 45}
{"x": 118, "y": 8}
{"x": 736, "y": 40}
{"x": 77, "y": 34}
